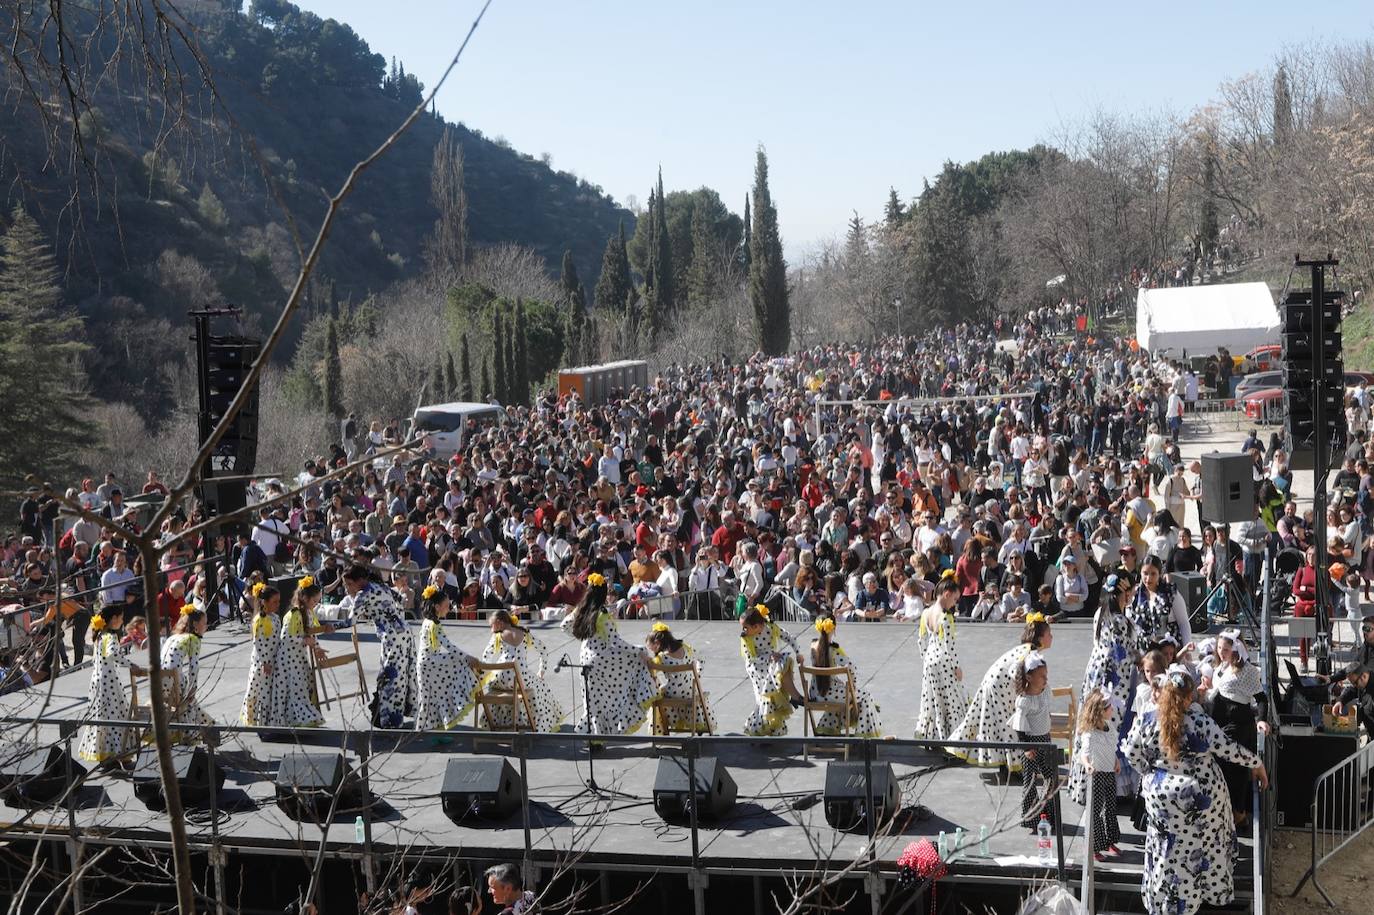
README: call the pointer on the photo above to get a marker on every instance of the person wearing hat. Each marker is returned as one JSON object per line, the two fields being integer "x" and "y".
{"x": 1358, "y": 694}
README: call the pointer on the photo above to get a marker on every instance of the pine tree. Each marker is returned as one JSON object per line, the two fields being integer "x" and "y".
{"x": 333, "y": 374}
{"x": 856, "y": 243}
{"x": 498, "y": 358}
{"x": 44, "y": 409}
{"x": 895, "y": 212}
{"x": 767, "y": 269}
{"x": 614, "y": 285}
{"x": 465, "y": 363}
{"x": 450, "y": 377}
{"x": 522, "y": 353}
{"x": 575, "y": 310}
{"x": 486, "y": 381}
{"x": 436, "y": 380}
{"x": 701, "y": 277}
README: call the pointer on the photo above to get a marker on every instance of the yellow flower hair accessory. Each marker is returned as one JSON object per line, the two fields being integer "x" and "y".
{"x": 188, "y": 609}
{"x": 762, "y": 609}
{"x": 660, "y": 627}
{"x": 306, "y": 582}
{"x": 430, "y": 592}
{"x": 825, "y": 625}
{"x": 1033, "y": 618}
{"x": 97, "y": 623}
{"x": 596, "y": 580}
{"x": 258, "y": 589}
{"x": 947, "y": 573}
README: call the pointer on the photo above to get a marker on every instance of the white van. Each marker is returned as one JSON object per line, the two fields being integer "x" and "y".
{"x": 446, "y": 424}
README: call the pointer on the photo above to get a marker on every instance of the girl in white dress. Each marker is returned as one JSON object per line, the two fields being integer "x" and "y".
{"x": 770, "y": 659}
{"x": 395, "y": 694}
{"x": 943, "y": 699}
{"x": 512, "y": 642}
{"x": 295, "y": 679}
{"x": 668, "y": 649}
{"x": 102, "y": 744}
{"x": 995, "y": 701}
{"x": 448, "y": 683}
{"x": 1238, "y": 707}
{"x": 261, "y": 701}
{"x": 826, "y": 652}
{"x": 618, "y": 686}
{"x": 181, "y": 652}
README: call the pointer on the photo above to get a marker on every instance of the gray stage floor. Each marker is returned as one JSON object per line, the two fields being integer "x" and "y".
{"x": 778, "y": 819}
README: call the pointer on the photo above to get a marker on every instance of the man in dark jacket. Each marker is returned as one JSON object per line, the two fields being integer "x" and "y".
{"x": 1357, "y": 695}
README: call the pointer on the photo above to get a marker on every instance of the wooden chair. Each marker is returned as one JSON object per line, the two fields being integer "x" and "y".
{"x": 330, "y": 662}
{"x": 694, "y": 708}
{"x": 516, "y": 698}
{"x": 847, "y": 710}
{"x": 171, "y": 692}
{"x": 1064, "y": 726}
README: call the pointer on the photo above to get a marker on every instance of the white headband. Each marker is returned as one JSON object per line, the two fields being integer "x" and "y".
{"x": 1033, "y": 660}
{"x": 1237, "y": 644}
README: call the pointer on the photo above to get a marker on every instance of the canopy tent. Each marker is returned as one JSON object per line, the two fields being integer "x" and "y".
{"x": 1198, "y": 319}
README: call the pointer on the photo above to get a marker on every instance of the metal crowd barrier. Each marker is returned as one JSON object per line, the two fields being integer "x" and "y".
{"x": 1342, "y": 808}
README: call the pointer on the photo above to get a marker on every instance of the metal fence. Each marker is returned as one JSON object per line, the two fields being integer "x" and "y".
{"x": 1342, "y": 808}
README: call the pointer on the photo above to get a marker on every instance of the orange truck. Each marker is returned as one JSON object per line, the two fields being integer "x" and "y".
{"x": 596, "y": 384}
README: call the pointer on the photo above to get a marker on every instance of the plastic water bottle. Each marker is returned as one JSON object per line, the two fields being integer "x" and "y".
{"x": 1044, "y": 840}
{"x": 983, "y": 841}
{"x": 358, "y": 830}
{"x": 955, "y": 851}
{"x": 943, "y": 846}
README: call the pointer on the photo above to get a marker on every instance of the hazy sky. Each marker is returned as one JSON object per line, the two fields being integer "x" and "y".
{"x": 848, "y": 97}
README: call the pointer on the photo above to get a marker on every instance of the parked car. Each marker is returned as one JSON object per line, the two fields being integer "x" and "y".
{"x": 1258, "y": 381}
{"x": 1262, "y": 358}
{"x": 1264, "y": 407}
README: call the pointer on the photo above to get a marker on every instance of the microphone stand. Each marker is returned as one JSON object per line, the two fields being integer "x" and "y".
{"x": 591, "y": 787}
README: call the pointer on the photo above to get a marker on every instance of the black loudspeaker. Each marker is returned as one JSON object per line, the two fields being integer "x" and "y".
{"x": 482, "y": 787}
{"x": 1228, "y": 488}
{"x": 1192, "y": 587}
{"x": 846, "y": 795}
{"x": 307, "y": 784}
{"x": 286, "y": 586}
{"x": 35, "y": 775}
{"x": 1302, "y": 759}
{"x": 192, "y": 768}
{"x": 714, "y": 795}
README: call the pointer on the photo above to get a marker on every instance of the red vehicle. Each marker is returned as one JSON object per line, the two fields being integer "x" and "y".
{"x": 1263, "y": 358}
{"x": 1264, "y": 406}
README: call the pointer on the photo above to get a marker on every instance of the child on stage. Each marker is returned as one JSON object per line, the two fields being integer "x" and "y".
{"x": 770, "y": 656}
{"x": 1099, "y": 761}
{"x": 619, "y": 688}
{"x": 826, "y": 652}
{"x": 181, "y": 652}
{"x": 448, "y": 684}
{"x": 295, "y": 680}
{"x": 262, "y": 700}
{"x": 1031, "y": 722}
{"x": 668, "y": 649}
{"x": 102, "y": 744}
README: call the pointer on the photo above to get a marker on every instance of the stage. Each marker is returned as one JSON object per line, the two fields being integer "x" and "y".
{"x": 777, "y": 825}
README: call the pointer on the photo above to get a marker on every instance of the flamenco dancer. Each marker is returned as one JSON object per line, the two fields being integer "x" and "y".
{"x": 512, "y": 642}
{"x": 395, "y": 694}
{"x": 262, "y": 700}
{"x": 668, "y": 649}
{"x": 943, "y": 699}
{"x": 101, "y": 744}
{"x": 826, "y": 652}
{"x": 295, "y": 680}
{"x": 619, "y": 687}
{"x": 448, "y": 683}
{"x": 995, "y": 701}
{"x": 1111, "y": 669}
{"x": 181, "y": 652}
{"x": 770, "y": 656}
{"x": 1158, "y": 609}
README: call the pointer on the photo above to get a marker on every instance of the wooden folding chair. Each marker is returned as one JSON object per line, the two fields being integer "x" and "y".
{"x": 847, "y": 710}
{"x": 1064, "y": 726}
{"x": 331, "y": 662}
{"x": 516, "y": 698}
{"x": 694, "y": 707}
{"x": 171, "y": 693}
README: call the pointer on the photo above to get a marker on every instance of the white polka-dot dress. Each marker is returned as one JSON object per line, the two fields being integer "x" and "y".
{"x": 944, "y": 701}
{"x": 447, "y": 683}
{"x": 766, "y": 673}
{"x": 548, "y": 714}
{"x": 261, "y": 704}
{"x": 1111, "y": 665}
{"x": 1190, "y": 837}
{"x": 679, "y": 686}
{"x": 395, "y": 694}
{"x": 619, "y": 687}
{"x": 181, "y": 652}
{"x": 828, "y": 724}
{"x": 100, "y": 743}
{"x": 986, "y": 719}
{"x": 295, "y": 681}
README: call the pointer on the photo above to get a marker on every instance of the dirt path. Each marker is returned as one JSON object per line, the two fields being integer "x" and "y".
{"x": 1348, "y": 878}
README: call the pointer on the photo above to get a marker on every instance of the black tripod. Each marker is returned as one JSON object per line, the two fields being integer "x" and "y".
{"x": 591, "y": 787}
{"x": 1236, "y": 597}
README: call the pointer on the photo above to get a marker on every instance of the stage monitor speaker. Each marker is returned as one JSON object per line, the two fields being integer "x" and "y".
{"x": 35, "y": 775}
{"x": 1192, "y": 587}
{"x": 307, "y": 784}
{"x": 846, "y": 795}
{"x": 192, "y": 768}
{"x": 714, "y": 795}
{"x": 481, "y": 787}
{"x": 1228, "y": 488}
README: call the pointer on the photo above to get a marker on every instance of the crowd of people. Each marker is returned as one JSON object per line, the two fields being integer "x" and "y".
{"x": 950, "y": 476}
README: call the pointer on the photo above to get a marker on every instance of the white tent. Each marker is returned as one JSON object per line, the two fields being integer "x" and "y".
{"x": 1198, "y": 319}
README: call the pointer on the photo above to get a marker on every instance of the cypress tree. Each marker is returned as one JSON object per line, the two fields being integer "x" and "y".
{"x": 522, "y": 353}
{"x": 465, "y": 363}
{"x": 659, "y": 293}
{"x": 498, "y": 359}
{"x": 512, "y": 382}
{"x": 748, "y": 234}
{"x": 575, "y": 305}
{"x": 436, "y": 380}
{"x": 701, "y": 277}
{"x": 614, "y": 285}
{"x": 767, "y": 270}
{"x": 486, "y": 381}
{"x": 450, "y": 376}
{"x": 333, "y": 373}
